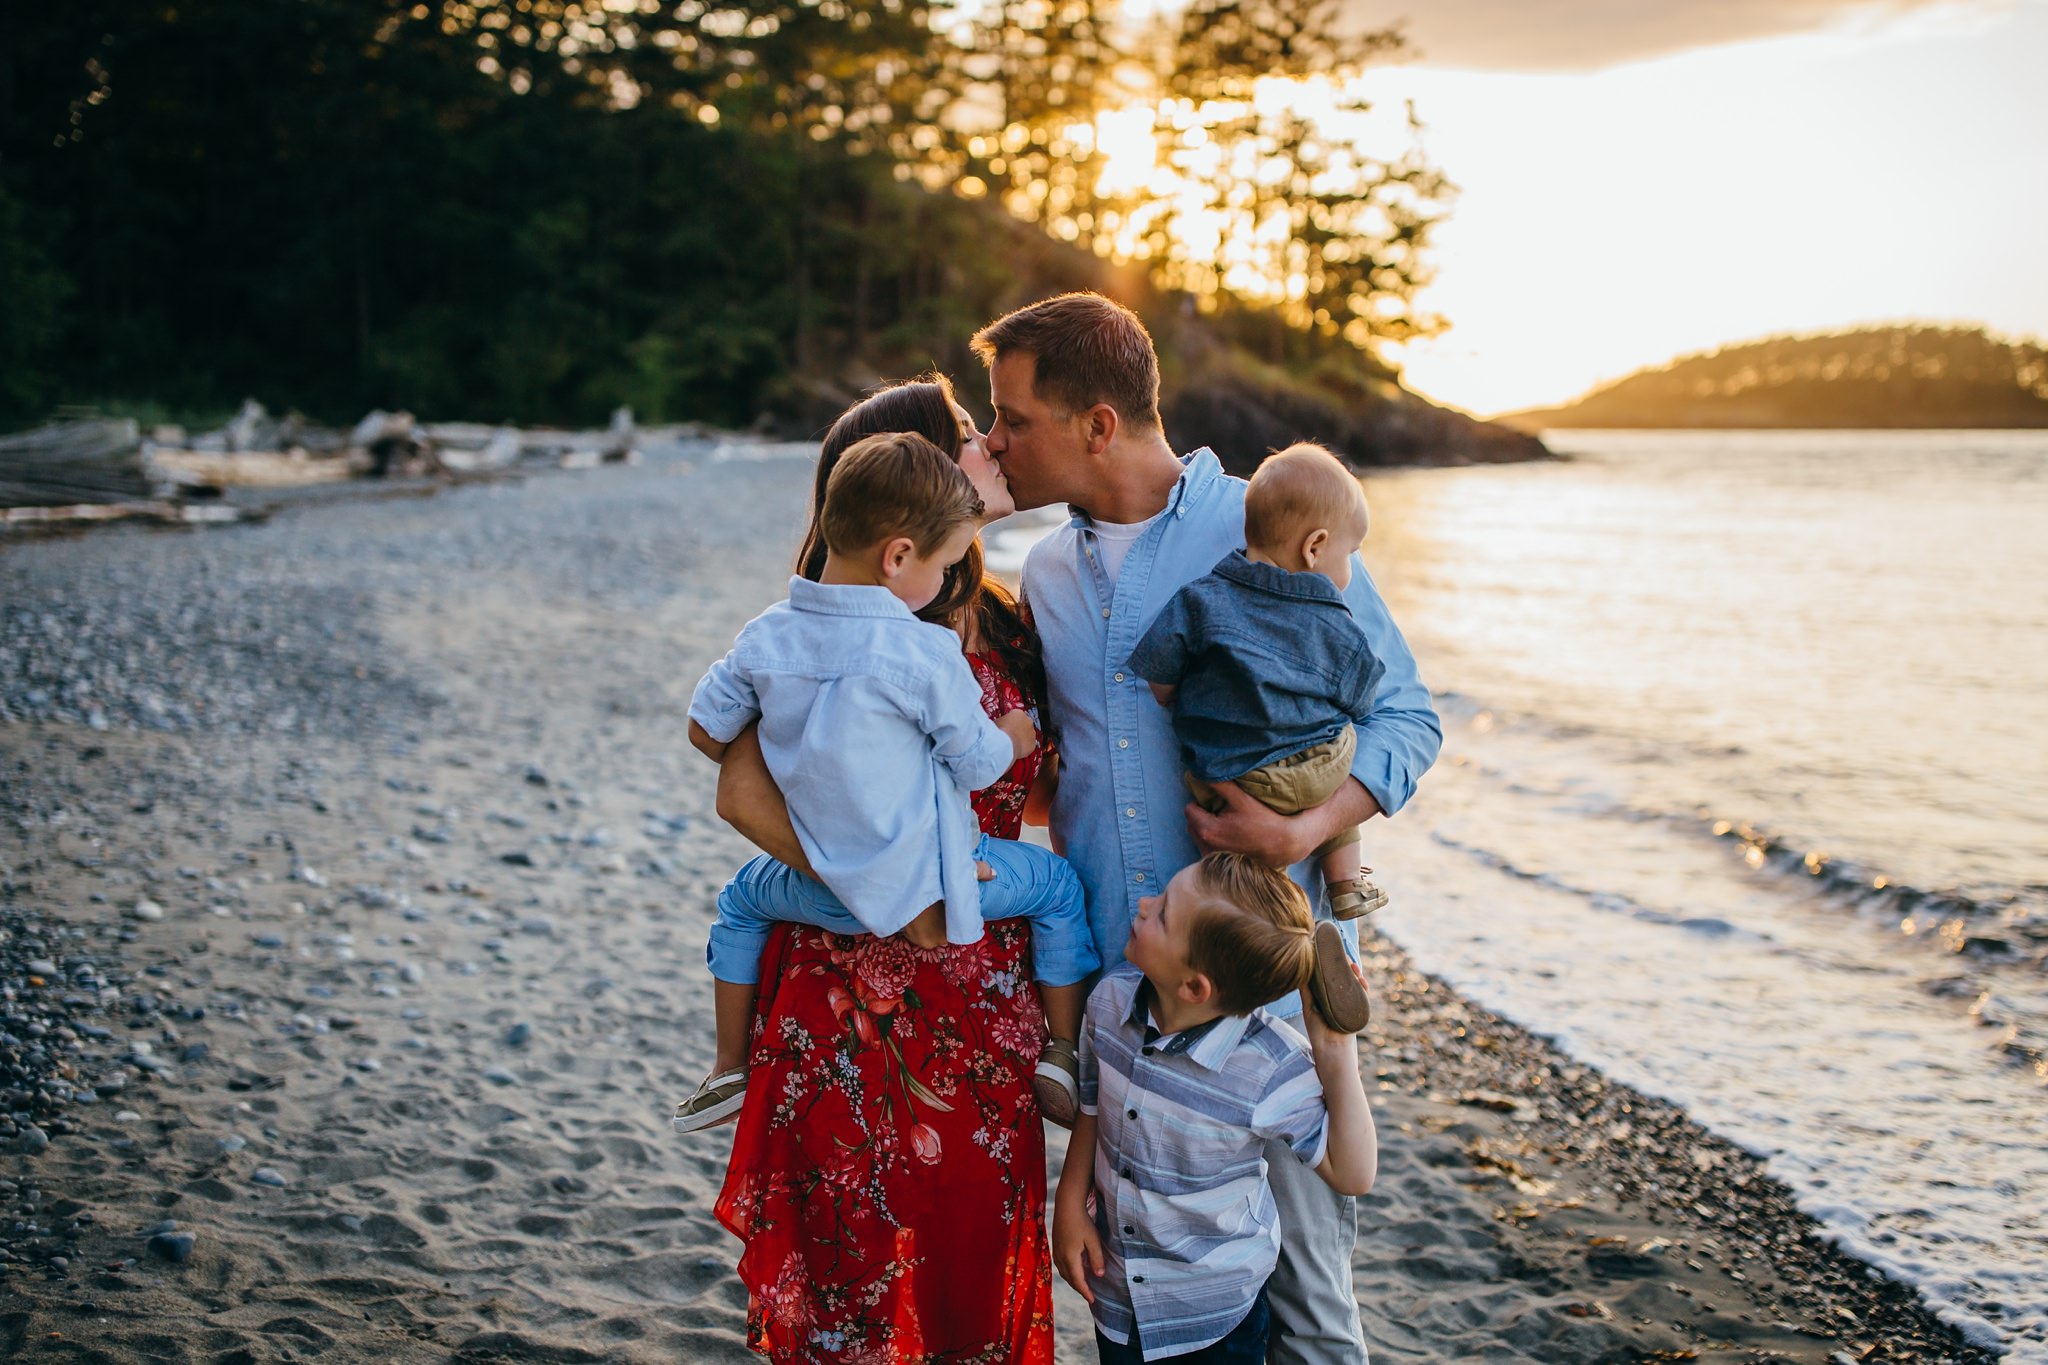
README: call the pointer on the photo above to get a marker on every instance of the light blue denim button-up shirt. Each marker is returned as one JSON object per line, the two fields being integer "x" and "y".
{"x": 1120, "y": 813}
{"x": 871, "y": 722}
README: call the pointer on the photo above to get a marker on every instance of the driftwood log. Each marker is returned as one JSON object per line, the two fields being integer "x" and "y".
{"x": 206, "y": 469}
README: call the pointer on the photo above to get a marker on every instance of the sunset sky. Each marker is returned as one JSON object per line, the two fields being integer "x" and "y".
{"x": 1645, "y": 178}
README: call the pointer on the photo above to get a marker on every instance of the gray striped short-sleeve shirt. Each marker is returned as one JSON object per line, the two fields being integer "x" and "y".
{"x": 1183, "y": 1122}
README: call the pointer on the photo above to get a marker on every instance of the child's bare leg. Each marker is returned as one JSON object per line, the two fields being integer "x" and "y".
{"x": 724, "y": 1091}
{"x": 1351, "y": 895}
{"x": 1057, "y": 1078}
{"x": 1341, "y": 863}
{"x": 1063, "y": 1006}
{"x": 928, "y": 930}
{"x": 732, "y": 1006}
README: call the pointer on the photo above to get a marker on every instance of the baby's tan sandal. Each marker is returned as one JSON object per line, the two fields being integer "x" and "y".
{"x": 1355, "y": 898}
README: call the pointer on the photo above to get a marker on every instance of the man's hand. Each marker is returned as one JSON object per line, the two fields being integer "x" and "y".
{"x": 1076, "y": 1247}
{"x": 1245, "y": 826}
{"x": 928, "y": 930}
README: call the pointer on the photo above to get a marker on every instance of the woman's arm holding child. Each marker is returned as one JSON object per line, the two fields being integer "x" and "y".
{"x": 751, "y": 803}
{"x": 1351, "y": 1154}
{"x": 706, "y": 745}
{"x": 1076, "y": 1246}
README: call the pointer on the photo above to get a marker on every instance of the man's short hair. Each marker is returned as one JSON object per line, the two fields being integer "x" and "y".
{"x": 895, "y": 484}
{"x": 1088, "y": 350}
{"x": 1251, "y": 934}
{"x": 1298, "y": 490}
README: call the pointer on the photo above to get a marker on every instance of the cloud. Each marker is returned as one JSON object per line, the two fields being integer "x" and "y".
{"x": 1587, "y": 35}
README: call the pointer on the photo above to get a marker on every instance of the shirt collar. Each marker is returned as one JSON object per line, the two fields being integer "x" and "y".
{"x": 1207, "y": 1044}
{"x": 845, "y": 599}
{"x": 1271, "y": 578}
{"x": 1199, "y": 470}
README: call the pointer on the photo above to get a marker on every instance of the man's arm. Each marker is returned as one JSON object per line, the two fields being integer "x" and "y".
{"x": 751, "y": 802}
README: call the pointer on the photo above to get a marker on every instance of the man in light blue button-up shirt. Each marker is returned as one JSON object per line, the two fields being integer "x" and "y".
{"x": 1074, "y": 383}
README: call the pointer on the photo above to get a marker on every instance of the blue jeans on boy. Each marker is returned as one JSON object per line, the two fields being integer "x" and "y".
{"x": 1030, "y": 883}
{"x": 1245, "y": 1344}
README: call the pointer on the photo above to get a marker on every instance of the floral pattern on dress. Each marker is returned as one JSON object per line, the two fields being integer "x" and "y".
{"x": 888, "y": 1172}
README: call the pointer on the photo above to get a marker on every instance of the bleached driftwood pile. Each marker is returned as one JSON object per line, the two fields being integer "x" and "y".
{"x": 80, "y": 464}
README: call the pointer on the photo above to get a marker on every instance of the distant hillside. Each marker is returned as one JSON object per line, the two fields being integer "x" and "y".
{"x": 1879, "y": 377}
{"x": 1237, "y": 379}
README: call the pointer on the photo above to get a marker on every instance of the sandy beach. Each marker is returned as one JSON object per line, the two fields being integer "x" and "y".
{"x": 354, "y": 881}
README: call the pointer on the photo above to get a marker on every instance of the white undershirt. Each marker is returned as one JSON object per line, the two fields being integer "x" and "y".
{"x": 1114, "y": 539}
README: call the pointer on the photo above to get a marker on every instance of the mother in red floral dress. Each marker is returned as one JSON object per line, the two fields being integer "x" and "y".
{"x": 888, "y": 1171}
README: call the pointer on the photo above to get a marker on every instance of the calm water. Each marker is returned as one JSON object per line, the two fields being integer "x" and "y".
{"x": 1745, "y": 801}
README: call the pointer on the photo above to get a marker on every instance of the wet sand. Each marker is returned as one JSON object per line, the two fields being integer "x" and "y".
{"x": 361, "y": 857}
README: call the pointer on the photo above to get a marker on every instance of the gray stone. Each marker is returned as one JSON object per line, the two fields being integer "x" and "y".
{"x": 175, "y": 1247}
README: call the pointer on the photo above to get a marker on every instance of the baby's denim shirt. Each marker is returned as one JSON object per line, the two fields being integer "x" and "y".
{"x": 1268, "y": 663}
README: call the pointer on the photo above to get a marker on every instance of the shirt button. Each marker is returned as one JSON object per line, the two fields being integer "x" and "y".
{"x": 1131, "y": 811}
{"x": 1119, "y": 677}
{"x": 1141, "y": 876}
{"x": 1150, "y": 1051}
{"x": 1105, "y": 613}
{"x": 1123, "y": 744}
{"x": 1130, "y": 1231}
{"x": 1130, "y": 1113}
{"x": 1127, "y": 1173}
{"x": 1137, "y": 1279}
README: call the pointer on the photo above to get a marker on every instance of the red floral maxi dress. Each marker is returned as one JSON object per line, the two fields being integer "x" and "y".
{"x": 888, "y": 1171}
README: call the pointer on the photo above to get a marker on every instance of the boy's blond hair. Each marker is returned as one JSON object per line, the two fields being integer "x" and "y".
{"x": 1251, "y": 933}
{"x": 1300, "y": 489}
{"x": 895, "y": 484}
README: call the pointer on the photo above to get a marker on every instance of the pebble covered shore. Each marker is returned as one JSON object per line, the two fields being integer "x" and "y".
{"x": 354, "y": 877}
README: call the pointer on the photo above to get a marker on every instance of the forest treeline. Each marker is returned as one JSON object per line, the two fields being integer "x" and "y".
{"x": 1924, "y": 377}
{"x": 533, "y": 211}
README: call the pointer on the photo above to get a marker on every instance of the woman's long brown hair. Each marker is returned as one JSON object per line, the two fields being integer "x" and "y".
{"x": 925, "y": 405}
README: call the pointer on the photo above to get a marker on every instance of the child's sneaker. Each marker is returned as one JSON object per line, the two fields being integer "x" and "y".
{"x": 1058, "y": 1082}
{"x": 717, "y": 1101}
{"x": 1355, "y": 898}
{"x": 1334, "y": 985}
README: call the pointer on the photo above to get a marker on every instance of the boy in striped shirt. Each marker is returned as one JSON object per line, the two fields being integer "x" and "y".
{"x": 1184, "y": 1081}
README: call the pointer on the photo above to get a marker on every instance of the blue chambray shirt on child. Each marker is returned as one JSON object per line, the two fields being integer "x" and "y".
{"x": 1269, "y": 663}
{"x": 871, "y": 723}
